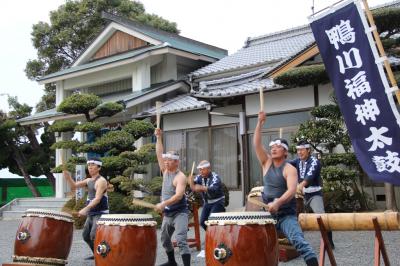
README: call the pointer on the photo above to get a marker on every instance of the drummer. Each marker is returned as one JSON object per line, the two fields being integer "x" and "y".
{"x": 97, "y": 199}
{"x": 173, "y": 205}
{"x": 280, "y": 182}
{"x": 310, "y": 181}
{"x": 209, "y": 185}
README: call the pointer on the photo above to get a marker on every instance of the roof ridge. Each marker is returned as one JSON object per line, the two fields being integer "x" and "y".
{"x": 139, "y": 24}
{"x": 279, "y": 34}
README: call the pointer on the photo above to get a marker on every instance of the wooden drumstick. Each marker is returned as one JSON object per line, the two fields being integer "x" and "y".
{"x": 158, "y": 113}
{"x": 262, "y": 98}
{"x": 190, "y": 179}
{"x": 143, "y": 203}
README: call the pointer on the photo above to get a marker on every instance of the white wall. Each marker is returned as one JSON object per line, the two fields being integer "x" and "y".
{"x": 185, "y": 120}
{"x": 221, "y": 120}
{"x": 324, "y": 92}
{"x": 235, "y": 200}
{"x": 281, "y": 101}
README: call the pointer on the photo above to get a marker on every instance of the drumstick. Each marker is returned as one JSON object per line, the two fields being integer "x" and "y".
{"x": 143, "y": 203}
{"x": 158, "y": 113}
{"x": 257, "y": 202}
{"x": 191, "y": 173}
{"x": 190, "y": 179}
{"x": 262, "y": 98}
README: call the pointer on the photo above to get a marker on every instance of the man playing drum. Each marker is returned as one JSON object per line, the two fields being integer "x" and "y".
{"x": 310, "y": 182}
{"x": 280, "y": 182}
{"x": 173, "y": 204}
{"x": 209, "y": 185}
{"x": 97, "y": 199}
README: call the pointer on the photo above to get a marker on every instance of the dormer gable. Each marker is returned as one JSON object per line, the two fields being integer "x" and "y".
{"x": 119, "y": 42}
{"x": 114, "y": 39}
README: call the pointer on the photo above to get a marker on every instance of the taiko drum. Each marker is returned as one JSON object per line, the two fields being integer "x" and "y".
{"x": 241, "y": 238}
{"x": 125, "y": 240}
{"x": 43, "y": 237}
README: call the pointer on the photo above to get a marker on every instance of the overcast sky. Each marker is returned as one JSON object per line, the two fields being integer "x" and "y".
{"x": 225, "y": 24}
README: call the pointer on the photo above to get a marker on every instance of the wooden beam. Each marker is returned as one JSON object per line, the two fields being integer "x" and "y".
{"x": 309, "y": 53}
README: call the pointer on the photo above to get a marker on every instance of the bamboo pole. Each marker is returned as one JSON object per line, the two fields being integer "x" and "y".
{"x": 380, "y": 49}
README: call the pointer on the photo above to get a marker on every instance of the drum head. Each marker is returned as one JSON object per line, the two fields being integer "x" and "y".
{"x": 240, "y": 218}
{"x": 49, "y": 214}
{"x": 127, "y": 219}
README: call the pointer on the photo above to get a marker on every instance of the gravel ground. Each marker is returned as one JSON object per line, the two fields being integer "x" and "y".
{"x": 352, "y": 248}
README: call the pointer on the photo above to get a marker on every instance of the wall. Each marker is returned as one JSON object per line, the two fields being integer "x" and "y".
{"x": 281, "y": 100}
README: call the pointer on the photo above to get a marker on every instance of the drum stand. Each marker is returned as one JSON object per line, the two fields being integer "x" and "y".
{"x": 325, "y": 245}
{"x": 378, "y": 249}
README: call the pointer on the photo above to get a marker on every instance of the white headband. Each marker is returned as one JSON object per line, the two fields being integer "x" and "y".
{"x": 279, "y": 143}
{"x": 304, "y": 146}
{"x": 170, "y": 156}
{"x": 203, "y": 165}
{"x": 95, "y": 162}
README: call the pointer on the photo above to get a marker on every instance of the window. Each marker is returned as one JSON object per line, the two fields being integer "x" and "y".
{"x": 195, "y": 145}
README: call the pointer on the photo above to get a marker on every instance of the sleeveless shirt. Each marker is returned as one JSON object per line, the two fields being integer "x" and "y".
{"x": 275, "y": 186}
{"x": 168, "y": 190}
{"x": 102, "y": 206}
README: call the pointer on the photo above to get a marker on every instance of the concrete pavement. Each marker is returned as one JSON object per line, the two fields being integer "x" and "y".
{"x": 352, "y": 248}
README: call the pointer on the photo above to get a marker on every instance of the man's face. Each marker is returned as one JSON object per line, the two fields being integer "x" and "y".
{"x": 204, "y": 172}
{"x": 171, "y": 164}
{"x": 303, "y": 153}
{"x": 278, "y": 151}
{"x": 93, "y": 169}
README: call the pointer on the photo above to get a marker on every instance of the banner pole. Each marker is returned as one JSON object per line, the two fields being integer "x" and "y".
{"x": 380, "y": 49}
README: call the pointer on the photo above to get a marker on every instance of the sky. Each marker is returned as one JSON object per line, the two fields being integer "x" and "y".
{"x": 222, "y": 23}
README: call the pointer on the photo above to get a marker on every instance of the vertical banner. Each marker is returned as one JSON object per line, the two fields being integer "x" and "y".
{"x": 79, "y": 176}
{"x": 351, "y": 60}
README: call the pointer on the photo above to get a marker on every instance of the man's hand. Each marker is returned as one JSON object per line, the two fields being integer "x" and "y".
{"x": 261, "y": 117}
{"x": 158, "y": 132}
{"x": 273, "y": 207}
{"x": 159, "y": 207}
{"x": 299, "y": 191}
{"x": 83, "y": 212}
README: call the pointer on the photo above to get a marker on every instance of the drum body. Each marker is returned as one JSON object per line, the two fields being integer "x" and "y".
{"x": 125, "y": 239}
{"x": 241, "y": 238}
{"x": 44, "y": 237}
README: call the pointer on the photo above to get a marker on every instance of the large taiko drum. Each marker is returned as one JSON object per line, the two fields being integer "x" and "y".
{"x": 241, "y": 238}
{"x": 125, "y": 240}
{"x": 256, "y": 194}
{"x": 43, "y": 237}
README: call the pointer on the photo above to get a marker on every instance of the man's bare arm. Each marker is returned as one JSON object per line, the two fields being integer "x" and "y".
{"x": 262, "y": 154}
{"x": 159, "y": 149}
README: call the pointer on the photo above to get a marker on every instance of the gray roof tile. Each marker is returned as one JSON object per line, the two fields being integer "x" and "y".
{"x": 263, "y": 50}
{"x": 180, "y": 103}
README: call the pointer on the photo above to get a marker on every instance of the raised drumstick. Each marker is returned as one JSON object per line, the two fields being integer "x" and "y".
{"x": 262, "y": 98}
{"x": 158, "y": 113}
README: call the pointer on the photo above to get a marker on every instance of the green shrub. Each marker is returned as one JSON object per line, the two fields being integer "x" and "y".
{"x": 79, "y": 103}
{"x": 303, "y": 76}
{"x": 139, "y": 128}
{"x": 62, "y": 126}
{"x": 108, "y": 109}
{"x": 66, "y": 144}
{"x": 89, "y": 126}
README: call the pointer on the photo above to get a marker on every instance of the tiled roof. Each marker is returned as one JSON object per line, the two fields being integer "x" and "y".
{"x": 175, "y": 40}
{"x": 41, "y": 115}
{"x": 104, "y": 61}
{"x": 236, "y": 85}
{"x": 180, "y": 103}
{"x": 265, "y": 49}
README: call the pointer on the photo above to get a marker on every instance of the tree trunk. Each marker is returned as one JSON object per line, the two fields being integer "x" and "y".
{"x": 30, "y": 133}
{"x": 18, "y": 159}
{"x": 390, "y": 197}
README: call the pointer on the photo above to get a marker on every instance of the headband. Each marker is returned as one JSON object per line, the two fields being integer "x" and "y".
{"x": 96, "y": 162}
{"x": 170, "y": 156}
{"x": 203, "y": 165}
{"x": 303, "y": 146}
{"x": 279, "y": 143}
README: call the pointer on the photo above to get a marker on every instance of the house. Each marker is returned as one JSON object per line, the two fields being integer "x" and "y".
{"x": 127, "y": 62}
{"x": 220, "y": 128}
